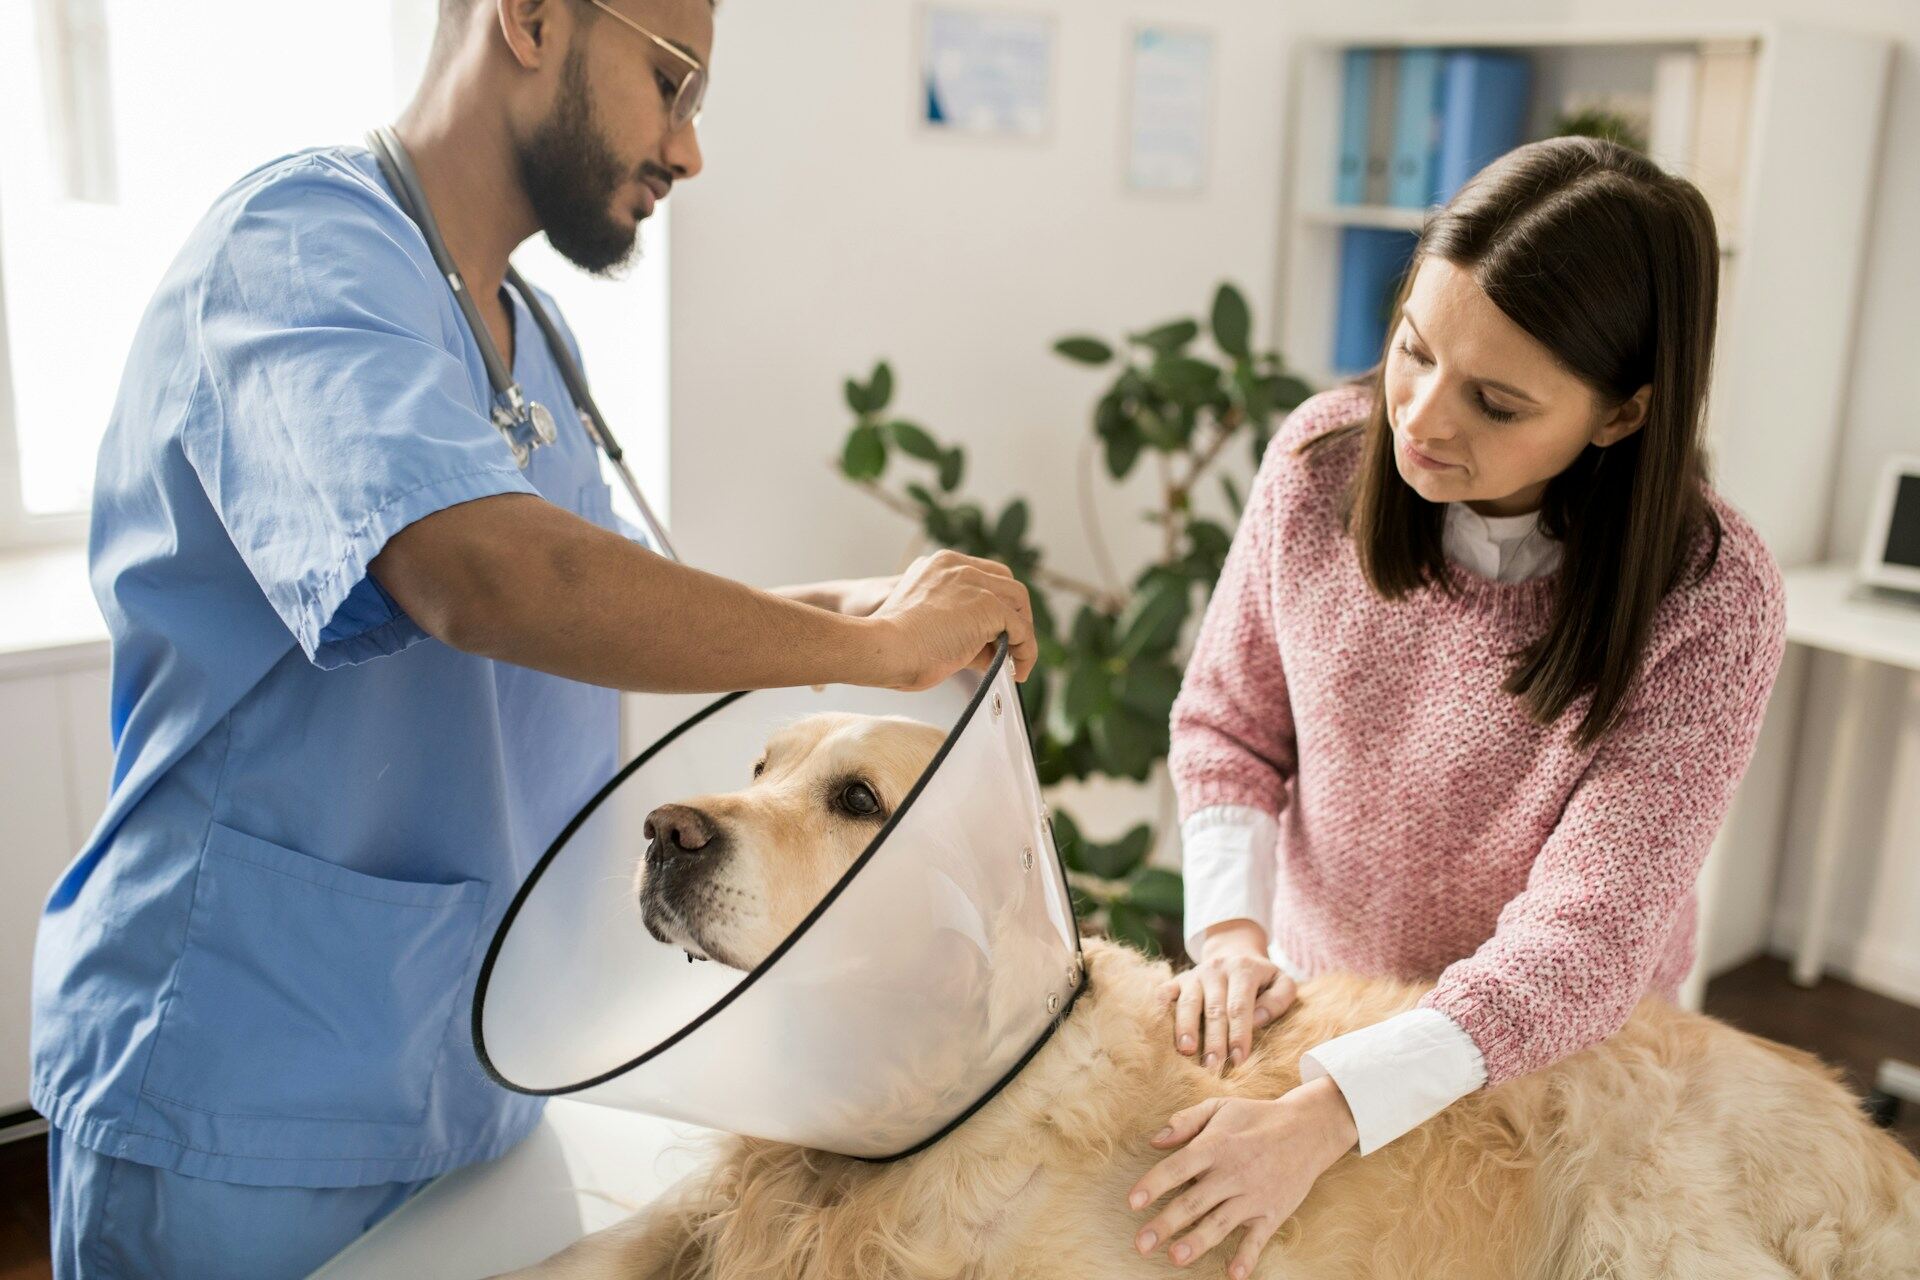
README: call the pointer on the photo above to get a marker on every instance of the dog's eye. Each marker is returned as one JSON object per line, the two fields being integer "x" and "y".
{"x": 858, "y": 799}
{"x": 759, "y": 767}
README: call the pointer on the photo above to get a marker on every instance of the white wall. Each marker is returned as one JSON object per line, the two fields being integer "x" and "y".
{"x": 1876, "y": 929}
{"x": 828, "y": 231}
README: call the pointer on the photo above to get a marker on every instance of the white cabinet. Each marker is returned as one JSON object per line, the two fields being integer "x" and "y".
{"x": 56, "y": 758}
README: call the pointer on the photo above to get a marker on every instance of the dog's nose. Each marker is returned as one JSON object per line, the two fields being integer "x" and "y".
{"x": 678, "y": 828}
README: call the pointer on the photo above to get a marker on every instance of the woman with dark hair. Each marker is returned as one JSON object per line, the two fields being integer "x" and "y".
{"x": 1483, "y": 670}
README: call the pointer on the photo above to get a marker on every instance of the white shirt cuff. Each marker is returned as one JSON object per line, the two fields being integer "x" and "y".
{"x": 1398, "y": 1074}
{"x": 1227, "y": 867}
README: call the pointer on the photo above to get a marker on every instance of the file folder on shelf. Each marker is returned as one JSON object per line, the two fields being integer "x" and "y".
{"x": 1371, "y": 264}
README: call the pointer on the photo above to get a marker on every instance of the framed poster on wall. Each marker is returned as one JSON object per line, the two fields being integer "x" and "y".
{"x": 1170, "y": 109}
{"x": 986, "y": 74}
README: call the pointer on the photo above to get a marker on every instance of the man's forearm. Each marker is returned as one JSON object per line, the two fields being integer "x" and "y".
{"x": 517, "y": 579}
{"x": 855, "y": 596}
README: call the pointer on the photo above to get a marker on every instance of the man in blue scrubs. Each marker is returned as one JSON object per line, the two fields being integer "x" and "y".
{"x": 365, "y": 666}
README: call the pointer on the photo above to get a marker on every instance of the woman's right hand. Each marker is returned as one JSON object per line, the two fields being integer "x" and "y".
{"x": 1233, "y": 989}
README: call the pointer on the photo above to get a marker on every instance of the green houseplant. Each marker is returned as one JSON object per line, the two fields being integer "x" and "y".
{"x": 1110, "y": 659}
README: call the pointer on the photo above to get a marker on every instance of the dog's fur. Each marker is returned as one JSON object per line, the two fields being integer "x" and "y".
{"x": 1678, "y": 1148}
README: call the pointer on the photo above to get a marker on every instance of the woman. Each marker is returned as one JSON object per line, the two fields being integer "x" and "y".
{"x": 1484, "y": 667}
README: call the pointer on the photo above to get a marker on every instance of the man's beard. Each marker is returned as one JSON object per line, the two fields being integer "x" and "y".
{"x": 569, "y": 175}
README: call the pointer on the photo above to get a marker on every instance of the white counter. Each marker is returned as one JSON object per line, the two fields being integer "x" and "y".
{"x": 582, "y": 1169}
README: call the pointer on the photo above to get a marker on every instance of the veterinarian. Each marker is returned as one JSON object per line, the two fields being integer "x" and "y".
{"x": 365, "y": 666}
{"x": 1486, "y": 662}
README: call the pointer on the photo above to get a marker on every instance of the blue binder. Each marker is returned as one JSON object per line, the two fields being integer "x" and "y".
{"x": 1350, "y": 181}
{"x": 1372, "y": 261}
{"x": 1483, "y": 114}
{"x": 1416, "y": 128}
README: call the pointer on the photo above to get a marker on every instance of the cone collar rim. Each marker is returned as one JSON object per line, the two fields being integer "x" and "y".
{"x": 820, "y": 908}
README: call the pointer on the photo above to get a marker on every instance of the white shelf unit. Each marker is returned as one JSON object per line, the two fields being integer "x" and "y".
{"x": 1788, "y": 294}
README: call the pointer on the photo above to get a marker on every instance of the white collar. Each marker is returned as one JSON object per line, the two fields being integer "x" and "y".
{"x": 1503, "y": 548}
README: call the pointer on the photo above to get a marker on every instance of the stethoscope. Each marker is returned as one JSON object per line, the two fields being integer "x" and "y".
{"x": 524, "y": 424}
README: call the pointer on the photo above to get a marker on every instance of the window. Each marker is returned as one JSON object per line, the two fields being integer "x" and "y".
{"x": 120, "y": 121}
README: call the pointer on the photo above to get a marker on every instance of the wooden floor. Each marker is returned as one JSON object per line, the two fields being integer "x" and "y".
{"x": 1851, "y": 1028}
{"x": 23, "y": 1210}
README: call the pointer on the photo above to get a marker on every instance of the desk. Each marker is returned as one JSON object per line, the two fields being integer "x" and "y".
{"x": 581, "y": 1170}
{"x": 1826, "y": 612}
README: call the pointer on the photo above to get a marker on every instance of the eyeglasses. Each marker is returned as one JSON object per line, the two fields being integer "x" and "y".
{"x": 692, "y": 90}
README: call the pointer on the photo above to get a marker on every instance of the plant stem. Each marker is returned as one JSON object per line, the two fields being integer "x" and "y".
{"x": 1111, "y": 602}
{"x": 1227, "y": 427}
{"x": 1090, "y": 519}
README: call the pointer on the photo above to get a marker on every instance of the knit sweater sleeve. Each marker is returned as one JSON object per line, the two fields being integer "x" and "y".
{"x": 1574, "y": 951}
{"x": 1232, "y": 739}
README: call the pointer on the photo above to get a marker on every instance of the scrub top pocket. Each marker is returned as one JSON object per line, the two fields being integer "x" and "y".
{"x": 294, "y": 965}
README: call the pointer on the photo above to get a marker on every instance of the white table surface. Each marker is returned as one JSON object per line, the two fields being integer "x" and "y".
{"x": 584, "y": 1168}
{"x": 1826, "y": 609}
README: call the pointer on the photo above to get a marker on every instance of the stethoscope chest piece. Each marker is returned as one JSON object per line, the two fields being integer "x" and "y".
{"x": 525, "y": 424}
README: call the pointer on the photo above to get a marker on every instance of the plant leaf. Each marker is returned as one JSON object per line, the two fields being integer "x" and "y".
{"x": 1012, "y": 525}
{"x": 953, "y": 465}
{"x": 879, "y": 387}
{"x": 914, "y": 441}
{"x": 856, "y": 397}
{"x": 1210, "y": 543}
{"x": 1232, "y": 321}
{"x": 1167, "y": 338}
{"x": 1084, "y": 350}
{"x": 1088, "y": 692}
{"x": 1129, "y": 924}
{"x": 1123, "y": 450}
{"x": 1125, "y": 741}
{"x": 1066, "y": 838}
{"x": 1148, "y": 689}
{"x": 1287, "y": 391}
{"x": 1153, "y": 617}
{"x": 1157, "y": 890}
{"x": 1188, "y": 379}
{"x": 865, "y": 455}
{"x": 1119, "y": 858}
{"x": 1092, "y": 631}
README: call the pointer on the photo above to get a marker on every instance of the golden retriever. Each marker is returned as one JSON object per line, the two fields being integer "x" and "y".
{"x": 1678, "y": 1148}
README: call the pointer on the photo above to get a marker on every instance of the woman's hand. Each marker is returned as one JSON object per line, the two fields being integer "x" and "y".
{"x": 1233, "y": 989}
{"x": 1243, "y": 1163}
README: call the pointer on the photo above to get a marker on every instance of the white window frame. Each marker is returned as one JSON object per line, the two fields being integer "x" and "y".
{"x": 609, "y": 319}
{"x": 21, "y": 529}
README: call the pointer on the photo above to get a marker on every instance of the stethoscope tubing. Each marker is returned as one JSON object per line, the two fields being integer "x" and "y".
{"x": 509, "y": 398}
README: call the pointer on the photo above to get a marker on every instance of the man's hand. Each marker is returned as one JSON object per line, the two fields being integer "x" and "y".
{"x": 946, "y": 612}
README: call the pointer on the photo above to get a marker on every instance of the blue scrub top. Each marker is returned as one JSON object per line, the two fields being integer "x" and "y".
{"x": 259, "y": 967}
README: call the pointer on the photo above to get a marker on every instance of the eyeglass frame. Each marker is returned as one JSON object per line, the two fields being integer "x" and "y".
{"x": 697, "y": 70}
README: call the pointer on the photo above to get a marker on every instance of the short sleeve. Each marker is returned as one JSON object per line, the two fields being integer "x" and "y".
{"x": 331, "y": 410}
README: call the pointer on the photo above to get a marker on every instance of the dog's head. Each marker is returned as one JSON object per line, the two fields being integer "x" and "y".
{"x": 727, "y": 877}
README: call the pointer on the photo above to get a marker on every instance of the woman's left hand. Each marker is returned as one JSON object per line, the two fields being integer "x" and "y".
{"x": 1242, "y": 1162}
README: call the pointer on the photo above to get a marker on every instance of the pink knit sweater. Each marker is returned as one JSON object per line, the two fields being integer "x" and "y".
{"x": 1427, "y": 826}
